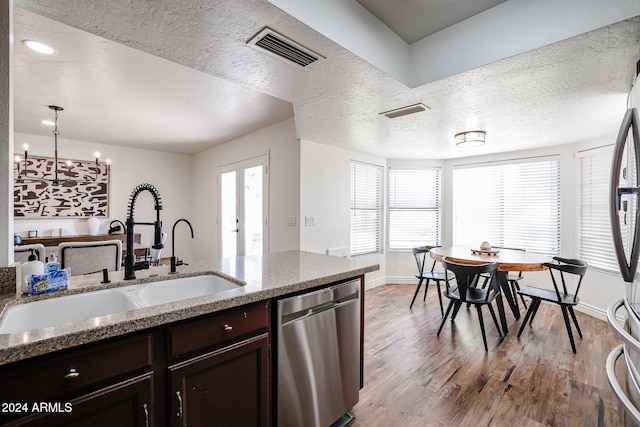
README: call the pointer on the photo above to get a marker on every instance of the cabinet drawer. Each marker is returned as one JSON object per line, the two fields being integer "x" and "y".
{"x": 64, "y": 374}
{"x": 217, "y": 329}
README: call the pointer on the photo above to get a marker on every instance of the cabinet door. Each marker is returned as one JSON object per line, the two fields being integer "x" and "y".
{"x": 124, "y": 404}
{"x": 228, "y": 387}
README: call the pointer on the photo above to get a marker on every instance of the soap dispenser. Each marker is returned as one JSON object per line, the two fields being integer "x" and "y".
{"x": 53, "y": 264}
{"x": 29, "y": 268}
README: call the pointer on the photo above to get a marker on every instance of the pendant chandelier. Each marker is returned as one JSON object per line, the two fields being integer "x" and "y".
{"x": 66, "y": 169}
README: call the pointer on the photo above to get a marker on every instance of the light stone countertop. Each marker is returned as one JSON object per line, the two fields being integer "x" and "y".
{"x": 264, "y": 277}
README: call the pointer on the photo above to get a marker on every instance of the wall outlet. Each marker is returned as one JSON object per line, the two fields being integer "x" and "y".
{"x": 309, "y": 221}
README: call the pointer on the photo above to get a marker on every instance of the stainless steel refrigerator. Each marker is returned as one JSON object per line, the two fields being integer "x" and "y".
{"x": 624, "y": 210}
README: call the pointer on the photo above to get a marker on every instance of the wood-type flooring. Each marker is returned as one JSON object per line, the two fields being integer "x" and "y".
{"x": 415, "y": 378}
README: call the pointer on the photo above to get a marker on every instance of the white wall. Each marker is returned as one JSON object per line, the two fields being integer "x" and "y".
{"x": 280, "y": 142}
{"x": 325, "y": 177}
{"x": 169, "y": 173}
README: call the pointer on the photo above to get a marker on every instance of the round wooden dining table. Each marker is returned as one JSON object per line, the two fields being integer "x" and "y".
{"x": 507, "y": 259}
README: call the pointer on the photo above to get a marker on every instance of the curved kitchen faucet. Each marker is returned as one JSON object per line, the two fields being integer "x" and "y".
{"x": 130, "y": 264}
{"x": 173, "y": 244}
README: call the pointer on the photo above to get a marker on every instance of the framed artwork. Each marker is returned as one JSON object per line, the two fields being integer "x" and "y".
{"x": 82, "y": 190}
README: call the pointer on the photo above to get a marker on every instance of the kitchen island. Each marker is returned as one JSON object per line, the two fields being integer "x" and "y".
{"x": 158, "y": 346}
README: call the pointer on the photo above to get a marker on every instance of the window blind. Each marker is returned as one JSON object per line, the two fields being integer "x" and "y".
{"x": 595, "y": 241}
{"x": 366, "y": 208}
{"x": 414, "y": 208}
{"x": 515, "y": 204}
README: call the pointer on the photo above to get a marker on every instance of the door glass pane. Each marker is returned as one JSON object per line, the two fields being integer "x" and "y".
{"x": 228, "y": 214}
{"x": 253, "y": 210}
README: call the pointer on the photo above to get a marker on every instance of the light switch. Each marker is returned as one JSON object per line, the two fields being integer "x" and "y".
{"x": 309, "y": 221}
{"x": 291, "y": 221}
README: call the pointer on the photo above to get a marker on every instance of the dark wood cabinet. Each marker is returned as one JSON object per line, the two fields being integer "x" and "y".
{"x": 210, "y": 370}
{"x": 226, "y": 387}
{"x": 126, "y": 404}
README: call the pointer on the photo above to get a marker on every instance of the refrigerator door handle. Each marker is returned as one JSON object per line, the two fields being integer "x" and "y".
{"x": 629, "y": 123}
{"x": 618, "y": 390}
{"x": 618, "y": 329}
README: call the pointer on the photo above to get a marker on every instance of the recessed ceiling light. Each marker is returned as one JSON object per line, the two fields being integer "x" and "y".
{"x": 39, "y": 47}
{"x": 48, "y": 122}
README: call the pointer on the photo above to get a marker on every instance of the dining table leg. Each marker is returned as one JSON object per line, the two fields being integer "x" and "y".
{"x": 506, "y": 291}
{"x": 500, "y": 281}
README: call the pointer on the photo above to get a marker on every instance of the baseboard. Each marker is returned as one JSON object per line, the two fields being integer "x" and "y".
{"x": 588, "y": 309}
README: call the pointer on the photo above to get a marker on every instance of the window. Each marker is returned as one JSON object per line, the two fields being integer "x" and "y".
{"x": 366, "y": 208}
{"x": 514, "y": 204}
{"x": 595, "y": 242}
{"x": 414, "y": 208}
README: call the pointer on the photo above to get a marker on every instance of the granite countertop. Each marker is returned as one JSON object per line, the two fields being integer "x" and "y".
{"x": 263, "y": 277}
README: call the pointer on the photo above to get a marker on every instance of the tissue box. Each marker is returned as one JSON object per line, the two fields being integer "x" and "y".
{"x": 53, "y": 281}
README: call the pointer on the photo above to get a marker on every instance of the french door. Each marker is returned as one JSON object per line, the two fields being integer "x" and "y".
{"x": 242, "y": 207}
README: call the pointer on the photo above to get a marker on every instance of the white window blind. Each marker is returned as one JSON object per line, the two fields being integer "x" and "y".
{"x": 366, "y": 208}
{"x": 414, "y": 208}
{"x": 515, "y": 204}
{"x": 596, "y": 245}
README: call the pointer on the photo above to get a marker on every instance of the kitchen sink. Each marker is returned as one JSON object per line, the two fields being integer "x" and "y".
{"x": 167, "y": 291}
{"x": 73, "y": 308}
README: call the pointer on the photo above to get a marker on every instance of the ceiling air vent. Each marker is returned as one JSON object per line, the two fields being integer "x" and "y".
{"x": 404, "y": 111}
{"x": 278, "y": 45}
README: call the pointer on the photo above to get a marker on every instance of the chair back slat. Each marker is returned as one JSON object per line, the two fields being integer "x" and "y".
{"x": 563, "y": 267}
{"x": 467, "y": 275}
{"x": 421, "y": 253}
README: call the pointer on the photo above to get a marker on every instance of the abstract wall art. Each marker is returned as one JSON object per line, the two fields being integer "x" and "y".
{"x": 82, "y": 190}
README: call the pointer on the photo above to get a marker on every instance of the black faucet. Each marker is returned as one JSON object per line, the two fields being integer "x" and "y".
{"x": 173, "y": 244}
{"x": 130, "y": 264}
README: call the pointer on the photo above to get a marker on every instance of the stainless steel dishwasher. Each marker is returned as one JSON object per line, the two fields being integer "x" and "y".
{"x": 319, "y": 356}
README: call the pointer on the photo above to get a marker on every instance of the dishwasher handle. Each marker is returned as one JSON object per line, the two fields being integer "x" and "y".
{"x": 312, "y": 311}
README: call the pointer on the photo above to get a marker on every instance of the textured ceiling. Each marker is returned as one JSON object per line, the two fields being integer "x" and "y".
{"x": 567, "y": 92}
{"x": 414, "y": 20}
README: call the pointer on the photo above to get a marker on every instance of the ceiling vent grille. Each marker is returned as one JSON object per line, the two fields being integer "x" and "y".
{"x": 404, "y": 111}
{"x": 281, "y": 47}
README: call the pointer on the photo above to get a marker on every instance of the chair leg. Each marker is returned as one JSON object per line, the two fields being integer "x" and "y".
{"x": 456, "y": 308}
{"x": 568, "y": 325}
{"x": 575, "y": 320}
{"x": 440, "y": 297}
{"x": 515, "y": 292}
{"x": 426, "y": 286}
{"x": 495, "y": 319}
{"x": 484, "y": 335}
{"x": 527, "y": 316}
{"x": 515, "y": 295}
{"x": 536, "y": 304}
{"x": 444, "y": 318}
{"x": 416, "y": 293}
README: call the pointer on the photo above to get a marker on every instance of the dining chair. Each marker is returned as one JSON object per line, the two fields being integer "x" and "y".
{"x": 21, "y": 253}
{"x": 465, "y": 291}
{"x": 421, "y": 254}
{"x": 560, "y": 271}
{"x": 90, "y": 257}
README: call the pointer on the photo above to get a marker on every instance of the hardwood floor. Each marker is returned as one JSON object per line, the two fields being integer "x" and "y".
{"x": 415, "y": 378}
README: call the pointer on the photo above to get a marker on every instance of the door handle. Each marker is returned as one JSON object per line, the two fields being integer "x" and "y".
{"x": 237, "y": 230}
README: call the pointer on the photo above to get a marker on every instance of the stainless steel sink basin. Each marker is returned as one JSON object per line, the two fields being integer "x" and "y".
{"x": 73, "y": 308}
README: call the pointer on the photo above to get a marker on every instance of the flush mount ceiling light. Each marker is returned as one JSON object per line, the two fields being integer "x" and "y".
{"x": 39, "y": 47}
{"x": 67, "y": 168}
{"x": 472, "y": 138}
